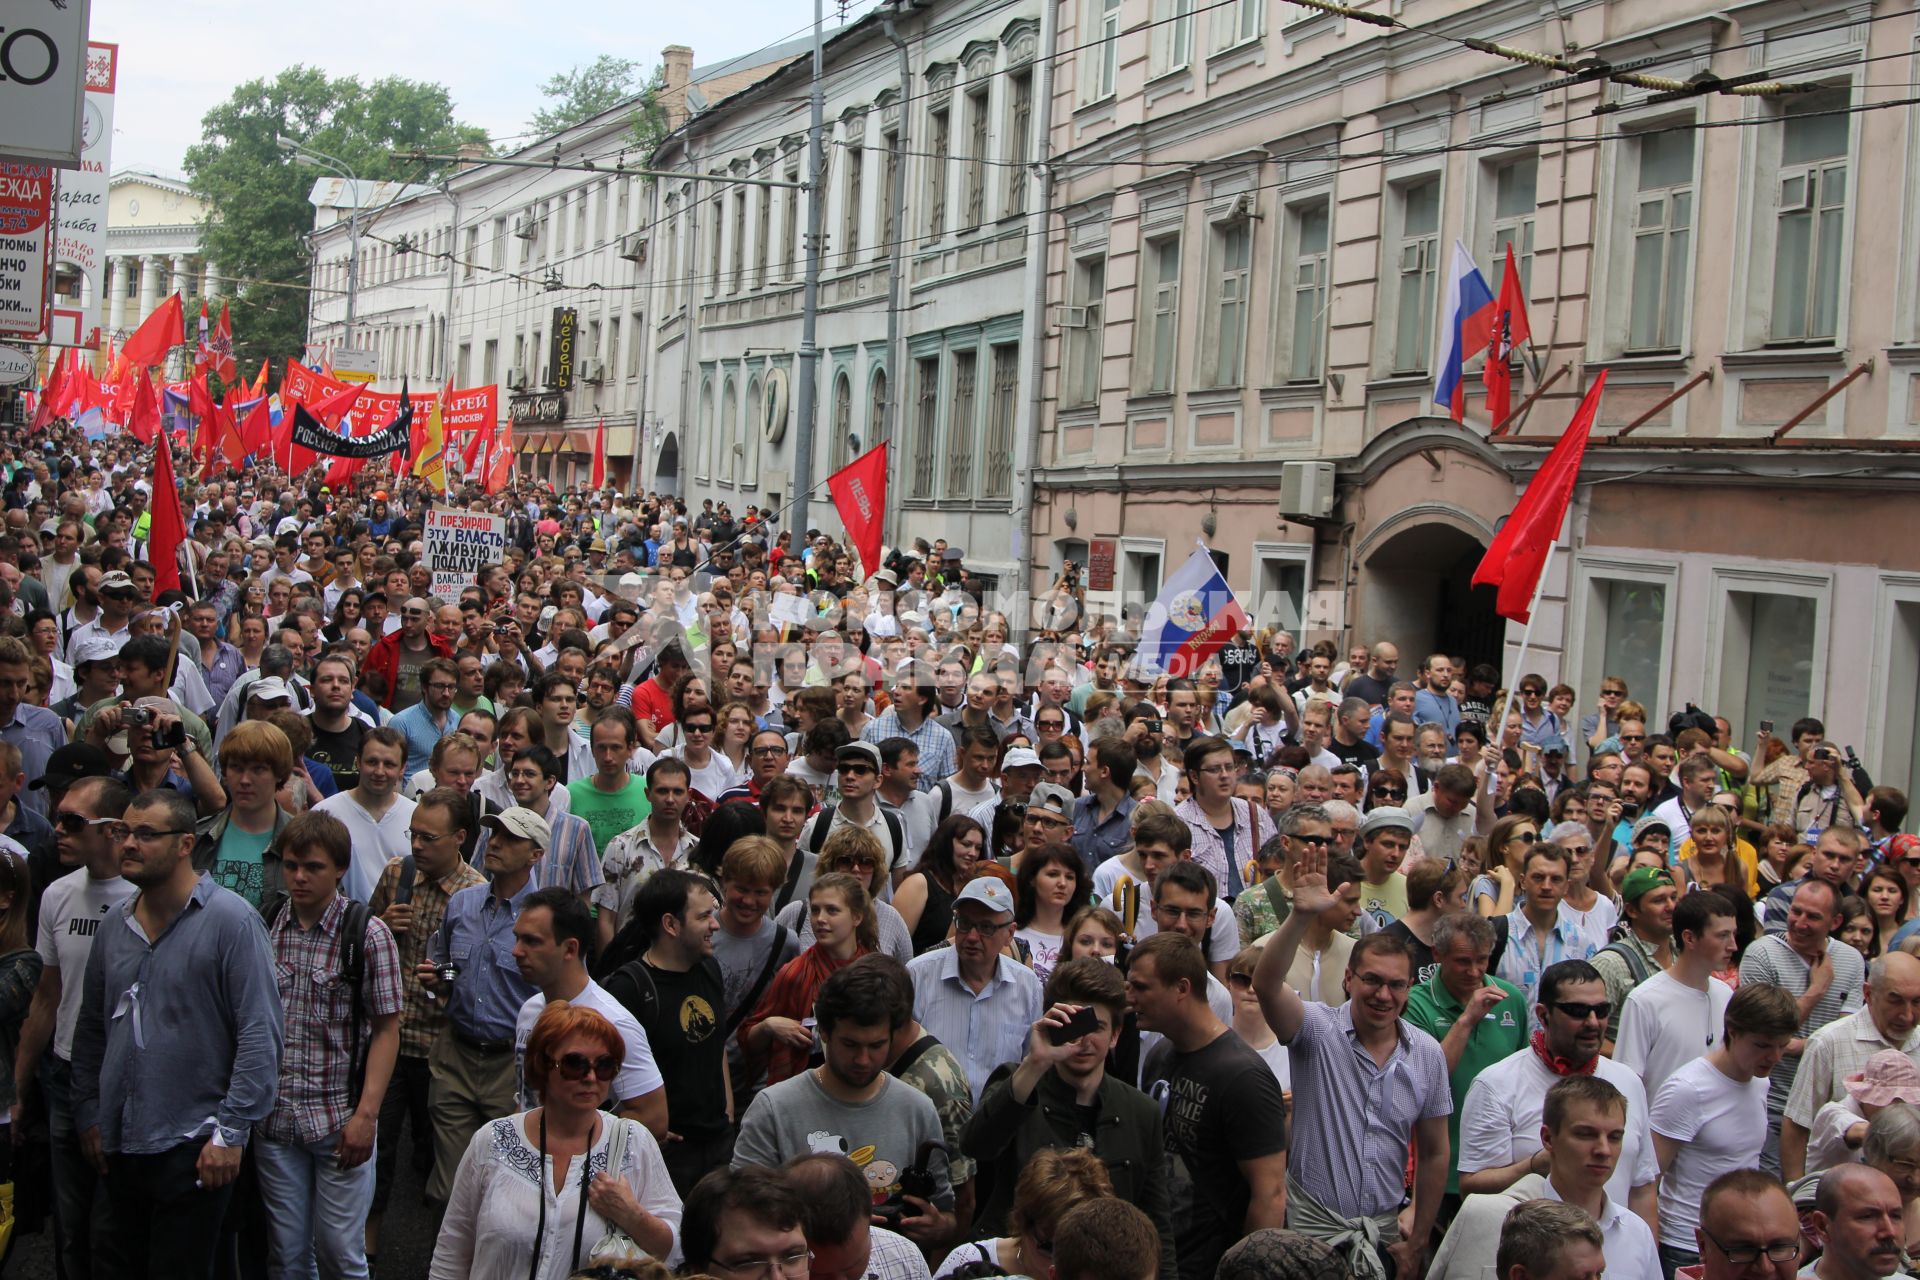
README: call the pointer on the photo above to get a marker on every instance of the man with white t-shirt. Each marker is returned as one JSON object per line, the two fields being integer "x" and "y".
{"x": 70, "y": 914}
{"x": 1677, "y": 1016}
{"x": 1500, "y": 1120}
{"x": 1583, "y": 1125}
{"x": 375, "y": 812}
{"x": 550, "y": 940}
{"x": 1710, "y": 1116}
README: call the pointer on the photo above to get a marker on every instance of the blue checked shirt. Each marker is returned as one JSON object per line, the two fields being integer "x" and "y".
{"x": 477, "y": 935}
{"x": 935, "y": 743}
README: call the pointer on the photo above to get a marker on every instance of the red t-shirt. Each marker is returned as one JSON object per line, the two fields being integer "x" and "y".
{"x": 651, "y": 702}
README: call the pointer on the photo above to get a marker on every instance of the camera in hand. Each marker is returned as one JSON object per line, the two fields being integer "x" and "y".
{"x": 448, "y": 971}
{"x": 136, "y": 717}
{"x": 917, "y": 1180}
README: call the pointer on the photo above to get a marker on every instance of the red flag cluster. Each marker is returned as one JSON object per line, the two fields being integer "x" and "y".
{"x": 1498, "y": 331}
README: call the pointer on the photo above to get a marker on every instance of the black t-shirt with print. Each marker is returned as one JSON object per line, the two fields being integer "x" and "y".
{"x": 682, "y": 1016}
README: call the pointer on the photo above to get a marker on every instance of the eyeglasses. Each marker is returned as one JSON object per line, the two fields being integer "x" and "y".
{"x": 1374, "y": 982}
{"x": 691, "y": 729}
{"x": 1581, "y": 1012}
{"x": 985, "y": 928}
{"x": 439, "y": 686}
{"x": 769, "y": 751}
{"x": 1195, "y": 914}
{"x": 1743, "y": 1255}
{"x": 577, "y": 1066}
{"x": 787, "y": 1264}
{"x": 147, "y": 835}
{"x": 1318, "y": 842}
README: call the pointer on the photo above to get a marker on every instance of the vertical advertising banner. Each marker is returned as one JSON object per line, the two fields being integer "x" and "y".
{"x": 80, "y": 240}
{"x": 26, "y": 248}
{"x": 560, "y": 357}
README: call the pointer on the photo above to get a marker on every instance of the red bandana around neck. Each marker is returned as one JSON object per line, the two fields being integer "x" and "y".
{"x": 1561, "y": 1066}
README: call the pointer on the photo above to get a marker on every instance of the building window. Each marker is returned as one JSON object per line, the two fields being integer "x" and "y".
{"x": 842, "y": 420}
{"x": 962, "y": 423}
{"x": 1280, "y": 587}
{"x": 470, "y": 259}
{"x": 762, "y": 234}
{"x": 976, "y": 159}
{"x": 738, "y": 256}
{"x": 1662, "y": 240}
{"x": 1085, "y": 330}
{"x": 463, "y": 366}
{"x": 669, "y": 274}
{"x": 490, "y": 363}
{"x": 889, "y": 200}
{"x": 705, "y": 446}
{"x": 1019, "y": 139}
{"x": 996, "y": 480}
{"x": 1418, "y": 255}
{"x": 926, "y": 423}
{"x": 600, "y": 196}
{"x": 1105, "y": 56}
{"x": 789, "y": 232}
{"x": 1515, "y": 197}
{"x": 729, "y": 424}
{"x": 719, "y": 210}
{"x": 1160, "y": 301}
{"x": 877, "y": 405}
{"x": 499, "y": 256}
{"x": 1303, "y": 317}
{"x": 635, "y": 346}
{"x": 1241, "y": 22}
{"x": 940, "y": 145}
{"x": 1231, "y": 258}
{"x": 1771, "y": 654}
{"x": 1810, "y": 236}
{"x": 850, "y": 219}
{"x": 1180, "y": 35}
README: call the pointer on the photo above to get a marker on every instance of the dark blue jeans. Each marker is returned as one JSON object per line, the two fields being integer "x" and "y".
{"x": 158, "y": 1225}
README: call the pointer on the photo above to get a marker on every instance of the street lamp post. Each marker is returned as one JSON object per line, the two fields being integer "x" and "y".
{"x": 303, "y": 154}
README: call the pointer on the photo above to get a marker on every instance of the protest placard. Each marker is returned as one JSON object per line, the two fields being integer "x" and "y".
{"x": 459, "y": 545}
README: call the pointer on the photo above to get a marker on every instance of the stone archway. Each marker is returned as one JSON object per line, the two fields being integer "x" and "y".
{"x": 1416, "y": 590}
{"x": 666, "y": 468}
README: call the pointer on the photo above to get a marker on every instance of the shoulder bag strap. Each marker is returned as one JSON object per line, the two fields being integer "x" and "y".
{"x": 767, "y": 971}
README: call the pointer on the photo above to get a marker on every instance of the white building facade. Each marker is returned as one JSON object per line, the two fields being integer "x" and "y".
{"x": 933, "y": 119}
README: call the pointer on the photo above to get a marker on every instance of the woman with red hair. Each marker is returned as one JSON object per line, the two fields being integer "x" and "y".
{"x": 547, "y": 1184}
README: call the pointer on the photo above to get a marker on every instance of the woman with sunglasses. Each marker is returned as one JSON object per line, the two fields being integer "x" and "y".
{"x": 1385, "y": 790}
{"x": 857, "y": 852}
{"x": 1508, "y": 844}
{"x": 536, "y": 1191}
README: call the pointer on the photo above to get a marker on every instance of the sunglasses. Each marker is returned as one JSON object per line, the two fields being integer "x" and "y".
{"x": 1633, "y": 737}
{"x": 577, "y": 1066}
{"x": 1581, "y": 1012}
{"x": 1526, "y": 837}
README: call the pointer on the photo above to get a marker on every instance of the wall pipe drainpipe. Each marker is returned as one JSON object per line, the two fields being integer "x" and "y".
{"x": 1026, "y": 447}
{"x": 446, "y": 320}
{"x": 896, "y": 266}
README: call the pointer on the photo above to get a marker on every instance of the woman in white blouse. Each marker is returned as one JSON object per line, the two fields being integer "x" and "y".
{"x": 536, "y": 1186}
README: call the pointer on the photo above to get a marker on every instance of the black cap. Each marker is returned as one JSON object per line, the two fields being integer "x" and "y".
{"x": 68, "y": 764}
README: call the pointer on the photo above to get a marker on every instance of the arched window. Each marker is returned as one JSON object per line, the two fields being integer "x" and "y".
{"x": 842, "y": 419}
{"x": 704, "y": 447}
{"x": 729, "y": 431}
{"x": 877, "y": 407}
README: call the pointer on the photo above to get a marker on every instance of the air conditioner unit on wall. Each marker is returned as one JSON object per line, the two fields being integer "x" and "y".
{"x": 525, "y": 227}
{"x": 1306, "y": 490}
{"x": 634, "y": 248}
{"x": 516, "y": 379}
{"x": 592, "y": 370}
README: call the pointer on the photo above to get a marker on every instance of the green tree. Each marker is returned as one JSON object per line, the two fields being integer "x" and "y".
{"x": 257, "y": 195}
{"x": 584, "y": 92}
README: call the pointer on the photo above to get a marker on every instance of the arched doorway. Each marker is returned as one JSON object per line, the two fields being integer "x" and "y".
{"x": 666, "y": 469}
{"x": 1416, "y": 591}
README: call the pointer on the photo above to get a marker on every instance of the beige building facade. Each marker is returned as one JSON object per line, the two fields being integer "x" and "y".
{"x": 1254, "y": 208}
{"x": 153, "y": 247}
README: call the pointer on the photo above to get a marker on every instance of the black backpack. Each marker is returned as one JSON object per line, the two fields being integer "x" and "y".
{"x": 823, "y": 824}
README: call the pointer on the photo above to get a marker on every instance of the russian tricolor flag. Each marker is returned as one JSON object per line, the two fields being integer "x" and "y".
{"x": 1192, "y": 620}
{"x": 1467, "y": 299}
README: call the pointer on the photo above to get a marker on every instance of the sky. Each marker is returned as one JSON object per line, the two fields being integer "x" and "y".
{"x": 177, "y": 60}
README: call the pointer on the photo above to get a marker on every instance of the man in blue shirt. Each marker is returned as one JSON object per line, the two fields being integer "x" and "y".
{"x": 977, "y": 1001}
{"x": 470, "y": 966}
{"x": 432, "y": 718}
{"x": 176, "y": 1053}
{"x": 1433, "y": 704}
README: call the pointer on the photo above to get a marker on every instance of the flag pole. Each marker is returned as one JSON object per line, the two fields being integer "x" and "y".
{"x": 1526, "y": 640}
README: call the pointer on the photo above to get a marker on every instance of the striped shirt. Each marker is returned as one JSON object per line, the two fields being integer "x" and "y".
{"x": 1352, "y": 1118}
{"x": 1769, "y": 959}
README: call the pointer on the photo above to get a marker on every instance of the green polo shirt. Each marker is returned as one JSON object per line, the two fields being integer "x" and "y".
{"x": 1502, "y": 1033}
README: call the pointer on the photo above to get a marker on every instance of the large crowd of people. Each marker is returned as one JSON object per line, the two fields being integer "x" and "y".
{"x": 680, "y": 893}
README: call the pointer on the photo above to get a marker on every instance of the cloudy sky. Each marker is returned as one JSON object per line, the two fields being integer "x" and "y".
{"x": 179, "y": 59}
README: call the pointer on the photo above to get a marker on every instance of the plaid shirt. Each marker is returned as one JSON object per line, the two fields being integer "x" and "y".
{"x": 420, "y": 1018}
{"x": 572, "y": 860}
{"x": 931, "y": 738}
{"x": 312, "y": 1101}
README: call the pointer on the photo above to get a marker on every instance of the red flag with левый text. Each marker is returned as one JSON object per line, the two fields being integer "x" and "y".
{"x": 1518, "y": 556}
{"x": 859, "y": 492}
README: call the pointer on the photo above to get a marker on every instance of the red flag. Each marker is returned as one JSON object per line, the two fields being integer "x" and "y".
{"x": 859, "y": 492}
{"x": 227, "y": 434}
{"x": 201, "y": 405}
{"x": 52, "y": 391}
{"x": 158, "y": 334}
{"x": 479, "y": 447}
{"x": 143, "y": 415}
{"x": 260, "y": 383}
{"x": 256, "y": 433}
{"x": 499, "y": 471}
{"x": 1510, "y": 329}
{"x": 599, "y": 480}
{"x": 168, "y": 528}
{"x": 1518, "y": 555}
{"x": 221, "y": 349}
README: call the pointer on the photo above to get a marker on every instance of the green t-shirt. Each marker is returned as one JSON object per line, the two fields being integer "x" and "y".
{"x": 609, "y": 812}
{"x": 237, "y": 863}
{"x": 1501, "y": 1034}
